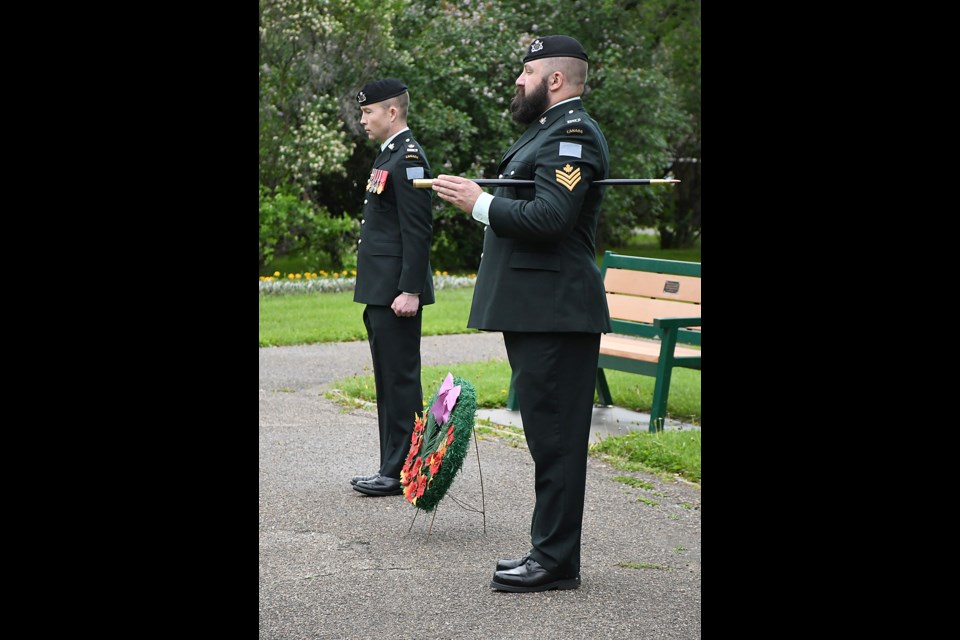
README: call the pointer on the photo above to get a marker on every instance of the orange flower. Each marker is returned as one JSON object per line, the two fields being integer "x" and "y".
{"x": 411, "y": 490}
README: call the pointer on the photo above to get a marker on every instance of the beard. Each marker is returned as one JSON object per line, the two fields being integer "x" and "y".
{"x": 525, "y": 109}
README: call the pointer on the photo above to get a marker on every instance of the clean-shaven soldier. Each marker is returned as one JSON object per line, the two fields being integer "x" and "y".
{"x": 394, "y": 277}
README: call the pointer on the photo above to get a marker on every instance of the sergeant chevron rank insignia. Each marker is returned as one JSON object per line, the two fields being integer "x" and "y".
{"x": 568, "y": 177}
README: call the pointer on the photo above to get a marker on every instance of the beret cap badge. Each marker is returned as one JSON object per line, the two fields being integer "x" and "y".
{"x": 555, "y": 47}
{"x": 380, "y": 90}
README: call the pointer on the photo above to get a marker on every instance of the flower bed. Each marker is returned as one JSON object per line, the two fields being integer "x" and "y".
{"x": 270, "y": 285}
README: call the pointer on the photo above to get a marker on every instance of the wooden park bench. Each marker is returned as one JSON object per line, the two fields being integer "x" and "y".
{"x": 654, "y": 309}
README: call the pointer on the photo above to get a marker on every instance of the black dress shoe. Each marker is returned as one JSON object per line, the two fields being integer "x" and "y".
{"x": 356, "y": 479}
{"x": 531, "y": 576}
{"x": 379, "y": 486}
{"x": 504, "y": 565}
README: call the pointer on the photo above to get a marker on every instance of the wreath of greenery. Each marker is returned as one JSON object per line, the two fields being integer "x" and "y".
{"x": 437, "y": 449}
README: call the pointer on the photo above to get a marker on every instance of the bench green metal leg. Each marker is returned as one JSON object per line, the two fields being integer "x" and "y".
{"x": 512, "y": 402}
{"x": 661, "y": 390}
{"x": 603, "y": 390}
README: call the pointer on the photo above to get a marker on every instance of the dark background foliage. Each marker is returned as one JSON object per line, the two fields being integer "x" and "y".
{"x": 460, "y": 61}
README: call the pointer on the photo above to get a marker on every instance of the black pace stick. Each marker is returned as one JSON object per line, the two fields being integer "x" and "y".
{"x": 427, "y": 183}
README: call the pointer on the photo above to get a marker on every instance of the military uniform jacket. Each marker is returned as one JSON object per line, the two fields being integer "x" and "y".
{"x": 538, "y": 270}
{"x": 393, "y": 253}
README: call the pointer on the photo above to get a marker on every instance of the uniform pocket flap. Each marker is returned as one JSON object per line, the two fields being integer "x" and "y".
{"x": 386, "y": 249}
{"x": 544, "y": 261}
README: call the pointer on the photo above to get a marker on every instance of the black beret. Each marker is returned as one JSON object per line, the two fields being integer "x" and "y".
{"x": 380, "y": 90}
{"x": 555, "y": 47}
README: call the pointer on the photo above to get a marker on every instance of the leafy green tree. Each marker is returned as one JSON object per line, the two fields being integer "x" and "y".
{"x": 311, "y": 53}
{"x": 475, "y": 49}
{"x": 461, "y": 60}
{"x": 634, "y": 92}
{"x": 677, "y": 36}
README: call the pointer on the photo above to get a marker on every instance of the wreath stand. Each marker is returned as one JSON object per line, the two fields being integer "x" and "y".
{"x": 463, "y": 505}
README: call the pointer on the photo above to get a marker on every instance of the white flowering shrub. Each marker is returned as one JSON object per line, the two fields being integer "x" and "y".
{"x": 277, "y": 285}
{"x": 320, "y": 145}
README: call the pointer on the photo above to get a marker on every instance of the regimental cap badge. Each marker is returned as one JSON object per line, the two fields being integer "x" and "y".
{"x": 536, "y": 46}
{"x": 361, "y": 97}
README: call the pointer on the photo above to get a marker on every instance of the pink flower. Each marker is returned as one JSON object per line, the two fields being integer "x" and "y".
{"x": 446, "y": 399}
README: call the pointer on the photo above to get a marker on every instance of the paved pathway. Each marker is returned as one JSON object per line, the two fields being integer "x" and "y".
{"x": 337, "y": 564}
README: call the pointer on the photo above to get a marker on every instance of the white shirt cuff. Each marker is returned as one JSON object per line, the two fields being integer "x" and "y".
{"x": 481, "y": 209}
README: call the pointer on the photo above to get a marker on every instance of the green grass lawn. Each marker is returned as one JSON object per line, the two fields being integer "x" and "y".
{"x": 647, "y": 245}
{"x": 665, "y": 453}
{"x": 492, "y": 380}
{"x": 686, "y": 255}
{"x": 334, "y": 317}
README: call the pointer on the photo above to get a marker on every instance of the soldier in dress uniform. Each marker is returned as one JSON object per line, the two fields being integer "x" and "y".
{"x": 538, "y": 282}
{"x": 394, "y": 277}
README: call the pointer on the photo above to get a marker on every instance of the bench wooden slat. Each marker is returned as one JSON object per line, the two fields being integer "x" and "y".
{"x": 637, "y": 349}
{"x": 646, "y": 309}
{"x": 652, "y": 285}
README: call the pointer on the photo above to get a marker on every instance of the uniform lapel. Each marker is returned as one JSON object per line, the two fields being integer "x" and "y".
{"x": 388, "y": 150}
{"x": 383, "y": 157}
{"x": 527, "y": 136}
